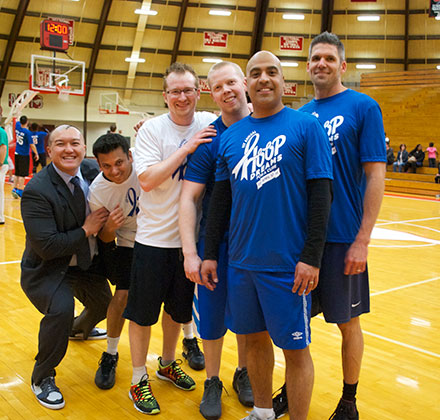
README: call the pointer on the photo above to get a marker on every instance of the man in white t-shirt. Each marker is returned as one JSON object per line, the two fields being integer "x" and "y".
{"x": 162, "y": 146}
{"x": 117, "y": 189}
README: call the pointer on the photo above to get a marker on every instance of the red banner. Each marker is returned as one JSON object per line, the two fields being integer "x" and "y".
{"x": 203, "y": 86}
{"x": 289, "y": 89}
{"x": 294, "y": 43}
{"x": 215, "y": 39}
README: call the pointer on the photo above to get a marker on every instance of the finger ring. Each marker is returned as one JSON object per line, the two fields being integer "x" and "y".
{"x": 312, "y": 282}
{"x": 358, "y": 270}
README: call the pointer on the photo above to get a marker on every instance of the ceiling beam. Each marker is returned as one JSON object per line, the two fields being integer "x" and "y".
{"x": 95, "y": 51}
{"x": 179, "y": 30}
{"x": 405, "y": 57}
{"x": 259, "y": 24}
{"x": 18, "y": 21}
{"x": 327, "y": 15}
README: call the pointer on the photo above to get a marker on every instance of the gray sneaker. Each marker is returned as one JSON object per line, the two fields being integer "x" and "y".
{"x": 253, "y": 416}
{"x": 242, "y": 387}
{"x": 211, "y": 404}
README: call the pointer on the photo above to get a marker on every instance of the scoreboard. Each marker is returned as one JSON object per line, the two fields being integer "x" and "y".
{"x": 54, "y": 35}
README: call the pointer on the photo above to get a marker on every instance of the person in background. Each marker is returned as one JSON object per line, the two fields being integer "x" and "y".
{"x": 415, "y": 159}
{"x": 390, "y": 152}
{"x": 4, "y": 146}
{"x": 432, "y": 155}
{"x": 23, "y": 141}
{"x": 402, "y": 158}
{"x": 38, "y": 137}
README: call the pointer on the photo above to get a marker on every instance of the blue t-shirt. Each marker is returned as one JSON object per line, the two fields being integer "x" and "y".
{"x": 23, "y": 139}
{"x": 201, "y": 169}
{"x": 268, "y": 161}
{"x": 38, "y": 139}
{"x": 354, "y": 125}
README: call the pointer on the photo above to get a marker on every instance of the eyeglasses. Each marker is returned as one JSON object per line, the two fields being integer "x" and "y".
{"x": 177, "y": 92}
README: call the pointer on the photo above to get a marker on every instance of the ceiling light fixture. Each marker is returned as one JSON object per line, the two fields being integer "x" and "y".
{"x": 366, "y": 66}
{"x": 145, "y": 12}
{"x": 135, "y": 60}
{"x": 291, "y": 16}
{"x": 218, "y": 12}
{"x": 289, "y": 64}
{"x": 438, "y": 67}
{"x": 211, "y": 60}
{"x": 368, "y": 18}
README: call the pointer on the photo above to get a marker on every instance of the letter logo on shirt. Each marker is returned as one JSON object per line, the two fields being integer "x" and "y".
{"x": 260, "y": 163}
{"x": 331, "y": 126}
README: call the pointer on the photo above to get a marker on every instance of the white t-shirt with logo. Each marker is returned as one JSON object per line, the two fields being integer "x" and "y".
{"x": 157, "y": 140}
{"x": 104, "y": 193}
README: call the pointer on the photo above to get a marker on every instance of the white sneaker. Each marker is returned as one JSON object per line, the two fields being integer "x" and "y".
{"x": 253, "y": 416}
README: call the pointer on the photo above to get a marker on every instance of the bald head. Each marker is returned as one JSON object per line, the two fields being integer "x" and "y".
{"x": 53, "y": 134}
{"x": 263, "y": 56}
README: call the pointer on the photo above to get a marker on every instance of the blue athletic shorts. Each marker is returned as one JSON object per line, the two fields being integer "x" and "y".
{"x": 263, "y": 301}
{"x": 209, "y": 307}
{"x": 337, "y": 296}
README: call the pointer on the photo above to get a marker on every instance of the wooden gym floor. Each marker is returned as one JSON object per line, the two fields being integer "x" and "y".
{"x": 400, "y": 378}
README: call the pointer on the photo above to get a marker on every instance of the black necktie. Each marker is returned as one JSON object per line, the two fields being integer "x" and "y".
{"x": 83, "y": 254}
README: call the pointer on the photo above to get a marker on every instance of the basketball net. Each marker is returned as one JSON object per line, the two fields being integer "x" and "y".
{"x": 63, "y": 93}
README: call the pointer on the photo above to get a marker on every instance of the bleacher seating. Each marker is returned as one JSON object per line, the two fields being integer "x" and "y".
{"x": 420, "y": 183}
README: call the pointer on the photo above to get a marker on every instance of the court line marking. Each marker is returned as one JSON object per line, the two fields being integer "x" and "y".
{"x": 408, "y": 346}
{"x": 10, "y": 262}
{"x": 405, "y": 286}
{"x": 389, "y": 340}
{"x": 406, "y": 221}
{"x": 13, "y": 218}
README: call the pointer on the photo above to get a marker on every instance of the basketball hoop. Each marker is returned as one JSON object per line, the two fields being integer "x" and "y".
{"x": 63, "y": 92}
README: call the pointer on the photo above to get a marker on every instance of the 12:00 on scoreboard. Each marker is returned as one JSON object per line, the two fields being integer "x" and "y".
{"x": 54, "y": 35}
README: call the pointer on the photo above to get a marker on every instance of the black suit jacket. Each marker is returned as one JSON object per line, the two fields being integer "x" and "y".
{"x": 53, "y": 233}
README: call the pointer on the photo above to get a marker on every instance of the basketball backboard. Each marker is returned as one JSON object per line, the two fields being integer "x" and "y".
{"x": 57, "y": 75}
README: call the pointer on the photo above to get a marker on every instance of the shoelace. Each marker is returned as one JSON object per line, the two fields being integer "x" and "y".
{"x": 48, "y": 385}
{"x": 176, "y": 370}
{"x": 143, "y": 391}
{"x": 193, "y": 346}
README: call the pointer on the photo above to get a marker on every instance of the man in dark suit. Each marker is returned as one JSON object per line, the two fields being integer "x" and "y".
{"x": 59, "y": 262}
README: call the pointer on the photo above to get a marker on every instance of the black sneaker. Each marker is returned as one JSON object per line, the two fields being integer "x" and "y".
{"x": 279, "y": 402}
{"x": 193, "y": 354}
{"x": 48, "y": 394}
{"x": 211, "y": 404}
{"x": 346, "y": 410}
{"x": 242, "y": 387}
{"x": 106, "y": 373}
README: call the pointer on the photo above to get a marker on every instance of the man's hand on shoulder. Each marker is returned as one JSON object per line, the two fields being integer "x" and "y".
{"x": 203, "y": 136}
{"x": 95, "y": 221}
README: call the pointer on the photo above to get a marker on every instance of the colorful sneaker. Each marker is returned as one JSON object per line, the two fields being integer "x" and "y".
{"x": 346, "y": 410}
{"x": 173, "y": 373}
{"x": 95, "y": 334}
{"x": 106, "y": 374}
{"x": 211, "y": 404}
{"x": 192, "y": 353}
{"x": 253, "y": 416}
{"x": 48, "y": 394}
{"x": 14, "y": 193}
{"x": 143, "y": 398}
{"x": 280, "y": 405}
{"x": 242, "y": 387}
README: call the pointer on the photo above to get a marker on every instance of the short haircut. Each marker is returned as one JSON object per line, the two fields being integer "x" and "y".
{"x": 328, "y": 38}
{"x": 34, "y": 127}
{"x": 220, "y": 65}
{"x": 179, "y": 68}
{"x": 23, "y": 119}
{"x": 62, "y": 127}
{"x": 113, "y": 128}
{"x": 109, "y": 142}
{"x": 431, "y": 144}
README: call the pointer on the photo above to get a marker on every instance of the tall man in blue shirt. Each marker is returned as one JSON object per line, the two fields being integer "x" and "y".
{"x": 353, "y": 122}
{"x": 281, "y": 194}
{"x": 38, "y": 138}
